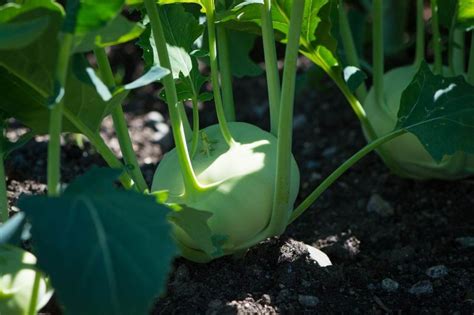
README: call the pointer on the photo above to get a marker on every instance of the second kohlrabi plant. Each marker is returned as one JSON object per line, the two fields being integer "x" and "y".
{"x": 407, "y": 156}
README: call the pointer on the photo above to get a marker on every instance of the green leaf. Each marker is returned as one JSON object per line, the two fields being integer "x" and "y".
{"x": 35, "y": 62}
{"x": 240, "y": 46}
{"x": 440, "y": 112}
{"x": 118, "y": 31}
{"x": 84, "y": 16}
{"x": 20, "y": 34}
{"x": 115, "y": 245}
{"x": 10, "y": 230}
{"x": 465, "y": 16}
{"x": 354, "y": 77}
{"x": 28, "y": 103}
{"x": 155, "y": 73}
{"x": 17, "y": 275}
{"x": 181, "y": 30}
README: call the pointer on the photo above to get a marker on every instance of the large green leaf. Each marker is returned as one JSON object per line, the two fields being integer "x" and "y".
{"x": 440, "y": 112}
{"x": 84, "y": 16}
{"x": 107, "y": 251}
{"x": 118, "y": 31}
{"x": 240, "y": 46}
{"x": 20, "y": 34}
{"x": 29, "y": 104}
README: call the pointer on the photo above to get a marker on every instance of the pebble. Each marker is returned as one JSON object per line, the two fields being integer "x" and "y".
{"x": 308, "y": 300}
{"x": 318, "y": 256}
{"x": 436, "y": 272}
{"x": 380, "y": 206}
{"x": 421, "y": 288}
{"x": 154, "y": 117}
{"x": 466, "y": 242}
{"x": 390, "y": 285}
{"x": 266, "y": 299}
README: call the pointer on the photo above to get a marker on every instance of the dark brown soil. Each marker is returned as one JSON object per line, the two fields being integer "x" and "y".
{"x": 380, "y": 258}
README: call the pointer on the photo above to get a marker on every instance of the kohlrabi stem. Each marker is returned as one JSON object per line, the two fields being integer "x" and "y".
{"x": 341, "y": 170}
{"x": 189, "y": 178}
{"x": 3, "y": 191}
{"x": 438, "y": 62}
{"x": 378, "y": 57}
{"x": 211, "y": 30}
{"x": 349, "y": 47}
{"x": 34, "y": 294}
{"x": 195, "y": 141}
{"x": 101, "y": 147}
{"x": 457, "y": 55}
{"x": 56, "y": 117}
{"x": 120, "y": 124}
{"x": 226, "y": 73}
{"x": 271, "y": 66}
{"x": 420, "y": 32}
{"x": 470, "y": 70}
{"x": 281, "y": 198}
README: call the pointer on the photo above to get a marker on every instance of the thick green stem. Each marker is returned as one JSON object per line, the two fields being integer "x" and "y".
{"x": 120, "y": 124}
{"x": 438, "y": 62}
{"x": 226, "y": 73}
{"x": 195, "y": 141}
{"x": 34, "y": 294}
{"x": 281, "y": 198}
{"x": 378, "y": 57}
{"x": 56, "y": 118}
{"x": 341, "y": 170}
{"x": 470, "y": 70}
{"x": 189, "y": 178}
{"x": 271, "y": 66}
{"x": 420, "y": 32}
{"x": 349, "y": 47}
{"x": 3, "y": 191}
{"x": 457, "y": 55}
{"x": 211, "y": 30}
{"x": 101, "y": 147}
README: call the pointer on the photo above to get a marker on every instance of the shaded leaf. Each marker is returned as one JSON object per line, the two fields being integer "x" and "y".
{"x": 83, "y": 16}
{"x": 118, "y": 240}
{"x": 240, "y": 46}
{"x": 118, "y": 31}
{"x": 10, "y": 231}
{"x": 19, "y": 34}
{"x": 440, "y": 112}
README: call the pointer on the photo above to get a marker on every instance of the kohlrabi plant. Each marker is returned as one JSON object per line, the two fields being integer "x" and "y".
{"x": 406, "y": 155}
{"x": 221, "y": 190}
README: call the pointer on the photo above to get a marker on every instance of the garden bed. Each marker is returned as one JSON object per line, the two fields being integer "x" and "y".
{"x": 382, "y": 233}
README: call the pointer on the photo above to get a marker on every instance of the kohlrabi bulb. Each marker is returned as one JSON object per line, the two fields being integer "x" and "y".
{"x": 243, "y": 176}
{"x": 407, "y": 153}
{"x": 17, "y": 277}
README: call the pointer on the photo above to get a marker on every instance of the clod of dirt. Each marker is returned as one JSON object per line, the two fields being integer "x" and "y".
{"x": 422, "y": 288}
{"x": 390, "y": 285}
{"x": 436, "y": 272}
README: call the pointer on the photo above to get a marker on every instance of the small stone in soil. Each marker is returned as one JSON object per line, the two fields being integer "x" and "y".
{"x": 466, "y": 242}
{"x": 390, "y": 285}
{"x": 308, "y": 300}
{"x": 436, "y": 272}
{"x": 329, "y": 152}
{"x": 379, "y": 206}
{"x": 421, "y": 288}
{"x": 215, "y": 304}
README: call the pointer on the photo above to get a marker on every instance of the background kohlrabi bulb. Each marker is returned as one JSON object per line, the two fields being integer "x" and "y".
{"x": 242, "y": 201}
{"x": 410, "y": 157}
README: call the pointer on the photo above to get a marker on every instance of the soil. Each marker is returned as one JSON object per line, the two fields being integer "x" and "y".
{"x": 381, "y": 258}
